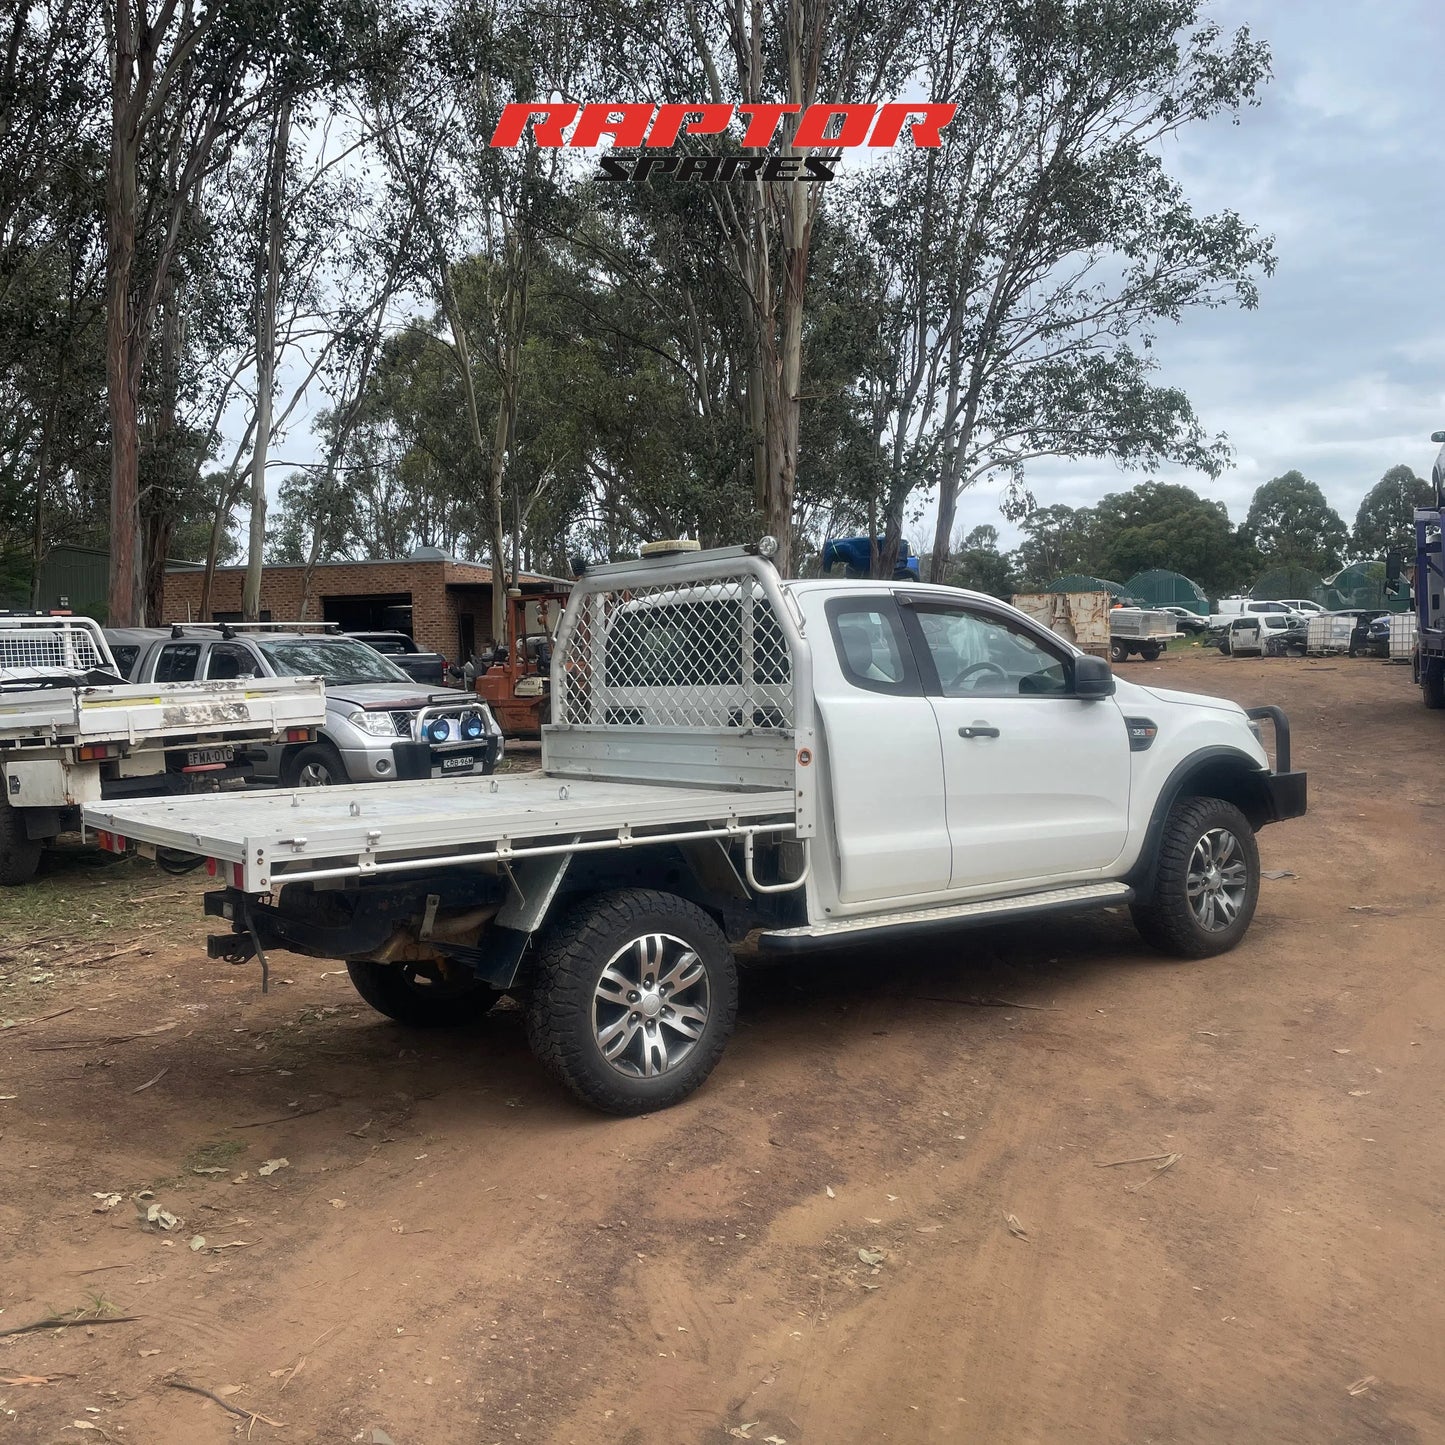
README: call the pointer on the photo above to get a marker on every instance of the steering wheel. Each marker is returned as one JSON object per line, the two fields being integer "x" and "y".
{"x": 974, "y": 667}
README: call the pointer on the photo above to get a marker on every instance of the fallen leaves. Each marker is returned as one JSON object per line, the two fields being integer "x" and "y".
{"x": 1016, "y": 1229}
{"x": 872, "y": 1257}
{"x": 271, "y": 1166}
{"x": 1361, "y": 1387}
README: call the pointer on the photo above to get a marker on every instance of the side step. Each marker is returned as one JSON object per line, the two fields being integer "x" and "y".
{"x": 949, "y": 915}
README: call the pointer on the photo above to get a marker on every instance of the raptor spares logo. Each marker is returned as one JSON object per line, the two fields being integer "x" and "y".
{"x": 655, "y": 130}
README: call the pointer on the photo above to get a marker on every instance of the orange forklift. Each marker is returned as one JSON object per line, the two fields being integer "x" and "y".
{"x": 517, "y": 685}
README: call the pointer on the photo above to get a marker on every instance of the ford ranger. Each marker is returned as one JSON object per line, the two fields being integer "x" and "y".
{"x": 734, "y": 754}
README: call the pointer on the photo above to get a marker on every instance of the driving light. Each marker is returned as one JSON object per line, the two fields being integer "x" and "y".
{"x": 767, "y": 547}
{"x": 439, "y": 730}
{"x": 472, "y": 726}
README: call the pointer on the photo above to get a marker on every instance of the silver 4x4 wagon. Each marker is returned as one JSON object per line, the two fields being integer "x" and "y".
{"x": 381, "y": 725}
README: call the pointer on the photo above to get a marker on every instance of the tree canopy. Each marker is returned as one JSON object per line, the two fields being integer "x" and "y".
{"x": 1386, "y": 519}
{"x": 1292, "y": 525}
{"x": 218, "y": 219}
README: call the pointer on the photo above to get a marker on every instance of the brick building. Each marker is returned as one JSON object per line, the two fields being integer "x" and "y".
{"x": 444, "y": 604}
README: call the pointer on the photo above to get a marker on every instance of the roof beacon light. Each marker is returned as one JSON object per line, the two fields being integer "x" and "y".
{"x": 668, "y": 548}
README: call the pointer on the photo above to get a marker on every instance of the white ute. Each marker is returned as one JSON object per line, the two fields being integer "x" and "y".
{"x": 72, "y": 732}
{"x": 813, "y": 761}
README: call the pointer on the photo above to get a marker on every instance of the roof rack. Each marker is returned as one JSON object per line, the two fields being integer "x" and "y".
{"x": 232, "y": 629}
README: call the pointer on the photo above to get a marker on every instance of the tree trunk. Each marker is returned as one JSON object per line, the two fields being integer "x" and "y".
{"x": 42, "y": 486}
{"x": 268, "y": 291}
{"x": 158, "y": 503}
{"x": 122, "y": 385}
{"x": 496, "y": 522}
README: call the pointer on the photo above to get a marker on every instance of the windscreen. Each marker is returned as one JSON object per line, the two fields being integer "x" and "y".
{"x": 338, "y": 661}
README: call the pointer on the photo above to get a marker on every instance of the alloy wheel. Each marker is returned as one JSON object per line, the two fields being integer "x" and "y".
{"x": 650, "y": 1005}
{"x": 1218, "y": 881}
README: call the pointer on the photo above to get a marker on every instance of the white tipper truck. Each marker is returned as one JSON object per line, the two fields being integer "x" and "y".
{"x": 733, "y": 754}
{"x": 72, "y": 732}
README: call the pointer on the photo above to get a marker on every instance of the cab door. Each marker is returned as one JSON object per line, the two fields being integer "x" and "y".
{"x": 885, "y": 764}
{"x": 1036, "y": 780}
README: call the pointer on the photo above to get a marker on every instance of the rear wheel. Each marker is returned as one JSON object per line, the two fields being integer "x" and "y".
{"x": 1151, "y": 652}
{"x": 1208, "y": 881}
{"x": 1225, "y": 647}
{"x": 316, "y": 766}
{"x": 633, "y": 999}
{"x": 19, "y": 852}
{"x": 1432, "y": 682}
{"x": 420, "y": 995}
{"x": 1118, "y": 651}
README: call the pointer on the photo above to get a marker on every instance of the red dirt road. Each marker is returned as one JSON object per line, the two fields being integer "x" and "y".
{"x": 454, "y": 1252}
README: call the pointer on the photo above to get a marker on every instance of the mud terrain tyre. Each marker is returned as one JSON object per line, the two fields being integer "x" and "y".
{"x": 633, "y": 997}
{"x": 1118, "y": 652}
{"x": 1207, "y": 884}
{"x": 19, "y": 852}
{"x": 421, "y": 1000}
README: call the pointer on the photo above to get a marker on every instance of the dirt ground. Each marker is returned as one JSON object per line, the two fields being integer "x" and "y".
{"x": 454, "y": 1252}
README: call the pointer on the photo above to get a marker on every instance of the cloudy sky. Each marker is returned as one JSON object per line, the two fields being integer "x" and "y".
{"x": 1341, "y": 370}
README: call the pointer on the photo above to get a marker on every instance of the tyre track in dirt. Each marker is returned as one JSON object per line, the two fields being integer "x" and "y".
{"x": 504, "y": 1266}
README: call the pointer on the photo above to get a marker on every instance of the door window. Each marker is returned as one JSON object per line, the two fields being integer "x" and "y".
{"x": 872, "y": 650}
{"x": 178, "y": 662}
{"x": 976, "y": 655}
{"x": 227, "y": 661}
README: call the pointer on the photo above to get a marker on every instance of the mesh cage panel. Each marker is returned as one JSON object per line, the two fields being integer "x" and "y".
{"x": 51, "y": 647}
{"x": 682, "y": 654}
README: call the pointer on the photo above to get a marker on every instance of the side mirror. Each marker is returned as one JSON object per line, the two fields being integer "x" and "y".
{"x": 1093, "y": 677}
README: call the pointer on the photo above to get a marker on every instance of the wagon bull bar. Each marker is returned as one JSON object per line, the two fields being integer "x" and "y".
{"x": 1288, "y": 790}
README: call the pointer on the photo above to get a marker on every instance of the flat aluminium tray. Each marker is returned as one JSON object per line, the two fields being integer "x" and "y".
{"x": 386, "y": 827}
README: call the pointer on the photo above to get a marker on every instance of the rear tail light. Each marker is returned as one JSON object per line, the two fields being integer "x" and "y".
{"x": 94, "y": 752}
{"x": 300, "y": 735}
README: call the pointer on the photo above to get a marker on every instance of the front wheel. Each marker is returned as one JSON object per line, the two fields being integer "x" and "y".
{"x": 1226, "y": 648}
{"x": 19, "y": 852}
{"x": 316, "y": 766}
{"x": 1118, "y": 651}
{"x": 633, "y": 999}
{"x": 422, "y": 996}
{"x": 1208, "y": 881}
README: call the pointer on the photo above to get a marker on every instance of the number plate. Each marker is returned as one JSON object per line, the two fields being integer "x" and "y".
{"x": 463, "y": 764}
{"x": 202, "y": 757}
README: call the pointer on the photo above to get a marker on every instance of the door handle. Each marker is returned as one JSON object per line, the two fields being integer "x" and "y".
{"x": 978, "y": 730}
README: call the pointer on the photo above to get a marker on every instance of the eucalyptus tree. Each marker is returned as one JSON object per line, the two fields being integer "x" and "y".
{"x": 1026, "y": 264}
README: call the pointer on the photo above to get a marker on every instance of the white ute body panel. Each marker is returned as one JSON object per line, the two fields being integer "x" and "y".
{"x": 900, "y": 803}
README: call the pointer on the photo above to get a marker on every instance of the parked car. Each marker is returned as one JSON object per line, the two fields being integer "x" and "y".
{"x": 380, "y": 724}
{"x": 72, "y": 732}
{"x": 1249, "y": 635}
{"x": 1303, "y": 605}
{"x": 1376, "y": 639}
{"x": 1287, "y": 641}
{"x": 1231, "y": 608}
{"x": 1189, "y": 623}
{"x": 427, "y": 667}
{"x": 715, "y": 769}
